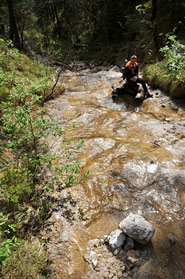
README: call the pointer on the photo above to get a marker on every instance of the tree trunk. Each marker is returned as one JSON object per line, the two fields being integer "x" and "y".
{"x": 154, "y": 22}
{"x": 14, "y": 34}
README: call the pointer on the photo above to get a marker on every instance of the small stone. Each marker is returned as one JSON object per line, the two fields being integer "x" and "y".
{"x": 116, "y": 239}
{"x": 116, "y": 267}
{"x": 101, "y": 241}
{"x": 132, "y": 260}
{"x": 86, "y": 257}
{"x": 93, "y": 242}
{"x": 94, "y": 263}
{"x": 116, "y": 251}
{"x": 106, "y": 275}
{"x": 131, "y": 253}
{"x": 119, "y": 274}
{"x": 105, "y": 238}
{"x": 110, "y": 261}
{"x": 111, "y": 275}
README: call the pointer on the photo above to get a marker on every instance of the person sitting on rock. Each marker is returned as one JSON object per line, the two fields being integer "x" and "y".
{"x": 132, "y": 74}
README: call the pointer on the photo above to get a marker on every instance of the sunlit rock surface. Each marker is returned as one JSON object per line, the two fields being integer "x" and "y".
{"x": 135, "y": 153}
{"x": 137, "y": 228}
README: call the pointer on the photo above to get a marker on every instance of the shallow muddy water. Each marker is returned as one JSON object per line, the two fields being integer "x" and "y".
{"x": 135, "y": 154}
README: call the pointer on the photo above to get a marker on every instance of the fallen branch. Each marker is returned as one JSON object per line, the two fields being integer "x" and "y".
{"x": 48, "y": 97}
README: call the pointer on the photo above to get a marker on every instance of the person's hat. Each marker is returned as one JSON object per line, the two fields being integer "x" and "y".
{"x": 134, "y": 56}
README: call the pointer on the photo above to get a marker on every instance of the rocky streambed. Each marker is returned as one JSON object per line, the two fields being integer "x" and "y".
{"x": 135, "y": 154}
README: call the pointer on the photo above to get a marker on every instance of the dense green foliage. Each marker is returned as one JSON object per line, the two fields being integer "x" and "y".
{"x": 21, "y": 126}
{"x": 17, "y": 71}
{"x": 174, "y": 53}
{"x": 169, "y": 74}
{"x": 25, "y": 155}
{"x": 29, "y": 261}
{"x": 22, "y": 156}
{"x": 75, "y": 29}
{"x": 8, "y": 239}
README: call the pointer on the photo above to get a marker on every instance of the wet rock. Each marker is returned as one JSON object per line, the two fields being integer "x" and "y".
{"x": 137, "y": 228}
{"x": 131, "y": 253}
{"x": 132, "y": 258}
{"x": 122, "y": 255}
{"x": 129, "y": 244}
{"x": 144, "y": 271}
{"x": 116, "y": 239}
{"x": 94, "y": 242}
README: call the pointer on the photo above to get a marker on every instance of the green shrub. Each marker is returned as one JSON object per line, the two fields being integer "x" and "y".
{"x": 174, "y": 53}
{"x": 29, "y": 261}
{"x": 24, "y": 130}
{"x": 156, "y": 74}
{"x": 14, "y": 186}
{"x": 17, "y": 69}
{"x": 8, "y": 241}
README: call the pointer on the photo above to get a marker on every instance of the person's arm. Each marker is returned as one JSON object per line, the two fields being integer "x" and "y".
{"x": 128, "y": 73}
{"x": 136, "y": 72}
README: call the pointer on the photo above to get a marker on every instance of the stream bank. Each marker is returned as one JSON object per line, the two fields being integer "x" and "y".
{"x": 135, "y": 153}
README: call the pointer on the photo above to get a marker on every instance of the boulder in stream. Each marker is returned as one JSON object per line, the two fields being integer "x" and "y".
{"x": 137, "y": 228}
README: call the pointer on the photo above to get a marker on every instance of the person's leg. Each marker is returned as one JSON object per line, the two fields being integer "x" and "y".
{"x": 140, "y": 80}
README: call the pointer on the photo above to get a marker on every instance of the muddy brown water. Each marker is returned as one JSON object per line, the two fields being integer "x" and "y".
{"x": 135, "y": 153}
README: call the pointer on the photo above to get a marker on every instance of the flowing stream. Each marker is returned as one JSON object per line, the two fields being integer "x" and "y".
{"x": 135, "y": 154}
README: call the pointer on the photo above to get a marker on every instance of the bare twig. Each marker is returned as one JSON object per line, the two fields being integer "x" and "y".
{"x": 52, "y": 90}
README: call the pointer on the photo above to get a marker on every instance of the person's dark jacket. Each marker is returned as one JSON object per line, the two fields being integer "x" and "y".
{"x": 131, "y": 71}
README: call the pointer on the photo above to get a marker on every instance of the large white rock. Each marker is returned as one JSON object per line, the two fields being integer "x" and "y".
{"x": 137, "y": 228}
{"x": 116, "y": 239}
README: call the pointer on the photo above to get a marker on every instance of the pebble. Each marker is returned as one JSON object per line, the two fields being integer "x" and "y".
{"x": 132, "y": 260}
{"x": 111, "y": 261}
{"x": 116, "y": 267}
{"x": 94, "y": 242}
{"x": 119, "y": 275}
{"x": 94, "y": 263}
{"x": 106, "y": 275}
{"x": 116, "y": 251}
